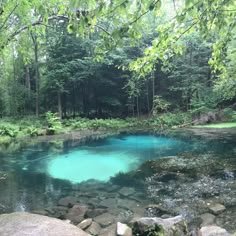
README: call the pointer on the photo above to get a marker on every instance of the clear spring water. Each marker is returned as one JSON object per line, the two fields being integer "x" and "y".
{"x": 107, "y": 158}
{"x": 37, "y": 175}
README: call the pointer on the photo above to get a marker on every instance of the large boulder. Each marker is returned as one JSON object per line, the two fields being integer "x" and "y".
{"x": 170, "y": 226}
{"x": 213, "y": 230}
{"x": 25, "y": 224}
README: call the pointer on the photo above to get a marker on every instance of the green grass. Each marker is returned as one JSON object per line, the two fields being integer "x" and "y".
{"x": 217, "y": 126}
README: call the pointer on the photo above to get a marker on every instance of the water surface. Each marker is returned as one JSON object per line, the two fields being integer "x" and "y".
{"x": 36, "y": 176}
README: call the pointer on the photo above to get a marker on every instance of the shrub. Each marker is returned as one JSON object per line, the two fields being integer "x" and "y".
{"x": 54, "y": 123}
{"x": 8, "y": 130}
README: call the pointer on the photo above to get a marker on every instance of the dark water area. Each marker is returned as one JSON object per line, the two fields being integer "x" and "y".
{"x": 34, "y": 177}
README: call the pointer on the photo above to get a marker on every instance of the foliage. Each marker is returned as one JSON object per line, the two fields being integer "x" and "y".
{"x": 33, "y": 131}
{"x": 113, "y": 59}
{"x": 54, "y": 123}
{"x": 170, "y": 120}
{"x": 159, "y": 105}
{"x": 229, "y": 114}
{"x": 8, "y": 130}
{"x": 226, "y": 83}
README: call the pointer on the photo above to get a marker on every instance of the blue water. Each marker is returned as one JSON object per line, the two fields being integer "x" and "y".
{"x": 34, "y": 176}
{"x": 104, "y": 159}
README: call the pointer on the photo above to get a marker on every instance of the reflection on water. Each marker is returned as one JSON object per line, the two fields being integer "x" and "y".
{"x": 35, "y": 177}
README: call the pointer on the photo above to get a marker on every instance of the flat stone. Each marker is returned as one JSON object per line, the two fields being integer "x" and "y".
{"x": 127, "y": 204}
{"x": 105, "y": 219}
{"x": 207, "y": 219}
{"x": 108, "y": 231}
{"x": 68, "y": 201}
{"x": 213, "y": 230}
{"x": 76, "y": 213}
{"x": 91, "y": 213}
{"x": 125, "y": 191}
{"x": 123, "y": 230}
{"x": 216, "y": 208}
{"x": 25, "y": 224}
{"x": 85, "y": 223}
{"x": 60, "y": 212}
{"x": 94, "y": 228}
{"x": 109, "y": 202}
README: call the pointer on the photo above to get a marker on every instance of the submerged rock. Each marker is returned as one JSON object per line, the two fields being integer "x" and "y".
{"x": 170, "y": 226}
{"x": 125, "y": 191}
{"x": 216, "y": 208}
{"x": 108, "y": 202}
{"x": 76, "y": 213}
{"x": 105, "y": 219}
{"x": 213, "y": 230}
{"x": 67, "y": 201}
{"x": 109, "y": 231}
{"x": 60, "y": 212}
{"x": 25, "y": 224}
{"x": 91, "y": 213}
{"x": 207, "y": 219}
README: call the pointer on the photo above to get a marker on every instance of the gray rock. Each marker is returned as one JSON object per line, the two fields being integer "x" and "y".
{"x": 76, "y": 213}
{"x": 216, "y": 208}
{"x": 213, "y": 231}
{"x": 108, "y": 231}
{"x": 25, "y": 224}
{"x": 123, "y": 230}
{"x": 127, "y": 204}
{"x": 94, "y": 228}
{"x": 105, "y": 219}
{"x": 91, "y": 213}
{"x": 207, "y": 219}
{"x": 125, "y": 191}
{"x": 67, "y": 201}
{"x": 60, "y": 212}
{"x": 85, "y": 223}
{"x": 109, "y": 203}
{"x": 171, "y": 226}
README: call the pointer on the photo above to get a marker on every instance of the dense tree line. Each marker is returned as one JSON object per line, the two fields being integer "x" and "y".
{"x": 80, "y": 63}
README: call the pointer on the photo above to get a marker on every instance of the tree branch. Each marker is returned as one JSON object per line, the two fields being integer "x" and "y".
{"x": 40, "y": 22}
{"x": 7, "y": 18}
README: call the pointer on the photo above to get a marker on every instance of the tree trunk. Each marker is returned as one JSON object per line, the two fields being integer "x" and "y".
{"x": 137, "y": 104}
{"x": 59, "y": 104}
{"x": 148, "y": 105}
{"x": 27, "y": 80}
{"x": 14, "y": 99}
{"x": 153, "y": 91}
{"x": 37, "y": 75}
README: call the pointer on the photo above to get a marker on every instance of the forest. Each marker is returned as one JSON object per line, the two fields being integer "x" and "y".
{"x": 118, "y": 59}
